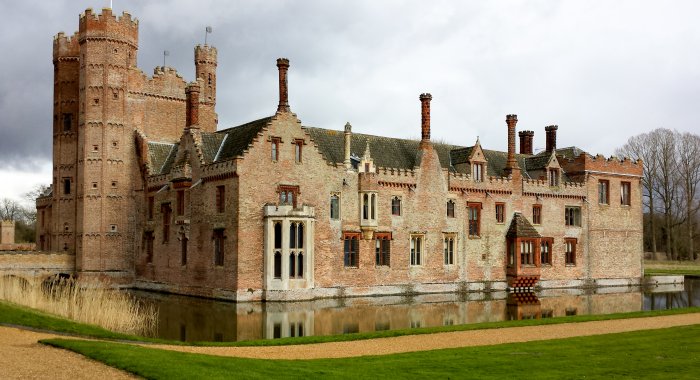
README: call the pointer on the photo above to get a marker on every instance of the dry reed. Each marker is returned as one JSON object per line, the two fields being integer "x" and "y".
{"x": 90, "y": 303}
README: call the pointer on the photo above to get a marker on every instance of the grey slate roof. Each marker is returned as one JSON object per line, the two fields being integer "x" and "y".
{"x": 161, "y": 156}
{"x": 386, "y": 152}
{"x": 237, "y": 139}
{"x": 521, "y": 227}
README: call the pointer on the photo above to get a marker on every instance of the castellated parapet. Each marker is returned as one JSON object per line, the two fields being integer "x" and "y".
{"x": 65, "y": 46}
{"x": 109, "y": 27}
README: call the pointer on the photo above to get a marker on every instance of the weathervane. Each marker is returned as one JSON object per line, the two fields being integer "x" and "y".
{"x": 207, "y": 30}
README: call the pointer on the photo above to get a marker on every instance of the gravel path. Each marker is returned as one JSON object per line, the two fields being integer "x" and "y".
{"x": 410, "y": 343}
{"x": 22, "y": 357}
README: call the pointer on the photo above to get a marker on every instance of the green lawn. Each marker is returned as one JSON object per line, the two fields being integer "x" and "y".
{"x": 21, "y": 316}
{"x": 661, "y": 271}
{"x": 662, "y": 354}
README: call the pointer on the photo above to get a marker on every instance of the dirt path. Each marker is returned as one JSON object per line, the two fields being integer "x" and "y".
{"x": 21, "y": 357}
{"x": 410, "y": 343}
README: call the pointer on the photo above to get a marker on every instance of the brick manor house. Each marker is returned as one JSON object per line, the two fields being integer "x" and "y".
{"x": 148, "y": 193}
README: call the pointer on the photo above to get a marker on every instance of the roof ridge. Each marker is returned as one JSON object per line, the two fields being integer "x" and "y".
{"x": 227, "y": 130}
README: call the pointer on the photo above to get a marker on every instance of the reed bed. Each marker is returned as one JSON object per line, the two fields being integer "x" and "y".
{"x": 85, "y": 302}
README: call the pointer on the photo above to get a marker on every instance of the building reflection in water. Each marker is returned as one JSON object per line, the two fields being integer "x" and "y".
{"x": 194, "y": 319}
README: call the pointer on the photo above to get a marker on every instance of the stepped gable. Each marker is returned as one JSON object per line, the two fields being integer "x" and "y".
{"x": 521, "y": 227}
{"x": 232, "y": 142}
{"x": 161, "y": 156}
{"x": 387, "y": 152}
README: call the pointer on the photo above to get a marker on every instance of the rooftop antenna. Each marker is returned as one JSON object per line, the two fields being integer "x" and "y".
{"x": 110, "y": 4}
{"x": 165, "y": 54}
{"x": 207, "y": 31}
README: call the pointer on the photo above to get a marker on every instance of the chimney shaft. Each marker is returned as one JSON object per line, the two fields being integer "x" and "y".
{"x": 526, "y": 138}
{"x": 551, "y": 131}
{"x": 192, "y": 117}
{"x": 425, "y": 117}
{"x": 283, "y": 66}
{"x": 511, "y": 164}
{"x": 348, "y": 135}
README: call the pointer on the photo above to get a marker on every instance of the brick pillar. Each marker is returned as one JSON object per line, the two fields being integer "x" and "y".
{"x": 283, "y": 66}
{"x": 511, "y": 164}
{"x": 192, "y": 115}
{"x": 348, "y": 135}
{"x": 551, "y": 131}
{"x": 526, "y": 138}
{"x": 425, "y": 118}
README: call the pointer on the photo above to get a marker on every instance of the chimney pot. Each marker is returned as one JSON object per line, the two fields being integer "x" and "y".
{"x": 551, "y": 132}
{"x": 283, "y": 66}
{"x": 192, "y": 112}
{"x": 526, "y": 138}
{"x": 425, "y": 99}
{"x": 511, "y": 164}
{"x": 348, "y": 135}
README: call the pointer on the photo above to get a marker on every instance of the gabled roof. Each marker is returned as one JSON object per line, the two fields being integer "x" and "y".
{"x": 387, "y": 152}
{"x": 161, "y": 156}
{"x": 539, "y": 161}
{"x": 520, "y": 227}
{"x": 570, "y": 152}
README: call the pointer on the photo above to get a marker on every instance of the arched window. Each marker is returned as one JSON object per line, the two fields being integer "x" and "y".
{"x": 300, "y": 239}
{"x": 278, "y": 235}
{"x": 290, "y": 198}
{"x": 365, "y": 206}
{"x": 450, "y": 209}
{"x": 396, "y": 206}
{"x": 292, "y": 235}
{"x": 283, "y": 198}
{"x": 292, "y": 265}
{"x": 300, "y": 265}
{"x": 374, "y": 206}
{"x": 335, "y": 207}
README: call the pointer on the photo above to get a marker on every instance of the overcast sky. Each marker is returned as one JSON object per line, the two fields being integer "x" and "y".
{"x": 601, "y": 70}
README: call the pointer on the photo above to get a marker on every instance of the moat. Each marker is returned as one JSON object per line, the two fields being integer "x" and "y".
{"x": 195, "y": 319}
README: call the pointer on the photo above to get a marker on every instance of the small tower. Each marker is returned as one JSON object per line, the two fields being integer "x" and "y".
{"x": 205, "y": 62}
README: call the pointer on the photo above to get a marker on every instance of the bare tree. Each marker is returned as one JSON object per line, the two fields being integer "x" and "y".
{"x": 667, "y": 181}
{"x": 10, "y": 210}
{"x": 642, "y": 147}
{"x": 688, "y": 152}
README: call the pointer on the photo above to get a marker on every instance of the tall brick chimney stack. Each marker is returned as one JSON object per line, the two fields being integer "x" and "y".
{"x": 348, "y": 135}
{"x": 551, "y": 131}
{"x": 283, "y": 66}
{"x": 425, "y": 118}
{"x": 511, "y": 164}
{"x": 192, "y": 116}
{"x": 526, "y": 138}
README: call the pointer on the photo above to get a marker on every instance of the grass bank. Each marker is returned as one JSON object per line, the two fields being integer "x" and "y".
{"x": 658, "y": 267}
{"x": 87, "y": 302}
{"x": 15, "y": 315}
{"x": 665, "y": 353}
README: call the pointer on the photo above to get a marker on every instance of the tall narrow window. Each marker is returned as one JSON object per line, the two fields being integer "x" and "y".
{"x": 382, "y": 248}
{"x": 396, "y": 206}
{"x": 67, "y": 122}
{"x": 625, "y": 190}
{"x": 536, "y": 214}
{"x": 298, "y": 144}
{"x": 335, "y": 207}
{"x": 181, "y": 202}
{"x": 449, "y": 249}
{"x": 500, "y": 212}
{"x": 570, "y": 251}
{"x": 527, "y": 252}
{"x": 450, "y": 209}
{"x": 553, "y": 177}
{"x": 219, "y": 239}
{"x": 511, "y": 253}
{"x": 167, "y": 211}
{"x": 278, "y": 265}
{"x": 604, "y": 191}
{"x": 416, "y": 249}
{"x": 572, "y": 216}
{"x": 373, "y": 206}
{"x": 66, "y": 186}
{"x": 148, "y": 245}
{"x": 474, "y": 219}
{"x": 296, "y": 246}
{"x": 365, "y": 206}
{"x": 351, "y": 249}
{"x": 277, "y": 238}
{"x": 478, "y": 172}
{"x": 221, "y": 199}
{"x": 183, "y": 250}
{"x": 546, "y": 251}
{"x": 151, "y": 203}
{"x": 275, "y": 148}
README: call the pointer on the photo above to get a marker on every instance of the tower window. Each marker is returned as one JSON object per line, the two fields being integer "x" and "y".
{"x": 67, "y": 122}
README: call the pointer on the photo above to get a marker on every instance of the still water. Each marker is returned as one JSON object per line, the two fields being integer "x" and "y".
{"x": 195, "y": 319}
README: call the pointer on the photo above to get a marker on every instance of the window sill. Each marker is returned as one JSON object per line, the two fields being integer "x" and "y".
{"x": 474, "y": 236}
{"x": 351, "y": 267}
{"x": 548, "y": 265}
{"x": 570, "y": 265}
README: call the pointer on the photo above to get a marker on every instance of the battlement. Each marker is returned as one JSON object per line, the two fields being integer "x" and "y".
{"x": 107, "y": 25}
{"x": 65, "y": 46}
{"x": 205, "y": 54}
{"x": 613, "y": 165}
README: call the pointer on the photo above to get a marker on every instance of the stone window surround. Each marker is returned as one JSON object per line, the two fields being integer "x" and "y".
{"x": 286, "y": 214}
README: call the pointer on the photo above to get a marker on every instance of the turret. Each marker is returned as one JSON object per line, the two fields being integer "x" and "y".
{"x": 205, "y": 67}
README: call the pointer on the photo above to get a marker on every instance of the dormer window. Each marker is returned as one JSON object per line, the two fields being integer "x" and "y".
{"x": 478, "y": 172}
{"x": 553, "y": 177}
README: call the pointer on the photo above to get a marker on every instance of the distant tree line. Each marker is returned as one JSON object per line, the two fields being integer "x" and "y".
{"x": 671, "y": 175}
{"x": 23, "y": 216}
